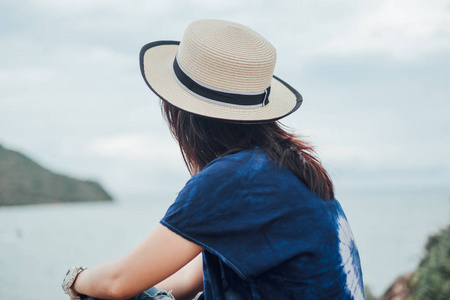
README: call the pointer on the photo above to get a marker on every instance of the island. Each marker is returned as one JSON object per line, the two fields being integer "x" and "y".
{"x": 23, "y": 181}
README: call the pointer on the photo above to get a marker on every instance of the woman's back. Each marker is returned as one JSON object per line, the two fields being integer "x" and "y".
{"x": 259, "y": 207}
{"x": 265, "y": 234}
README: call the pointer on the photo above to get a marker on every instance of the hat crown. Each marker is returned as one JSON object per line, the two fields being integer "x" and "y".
{"x": 227, "y": 56}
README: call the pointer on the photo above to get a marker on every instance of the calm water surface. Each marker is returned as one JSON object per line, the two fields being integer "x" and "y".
{"x": 39, "y": 243}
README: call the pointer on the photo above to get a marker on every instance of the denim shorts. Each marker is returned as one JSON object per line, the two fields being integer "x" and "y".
{"x": 155, "y": 294}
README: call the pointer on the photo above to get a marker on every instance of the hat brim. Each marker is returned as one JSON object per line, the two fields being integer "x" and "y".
{"x": 156, "y": 61}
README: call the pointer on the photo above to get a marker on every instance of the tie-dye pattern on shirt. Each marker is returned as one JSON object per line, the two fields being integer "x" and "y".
{"x": 349, "y": 257}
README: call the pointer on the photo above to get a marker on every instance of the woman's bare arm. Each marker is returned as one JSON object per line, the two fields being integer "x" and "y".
{"x": 160, "y": 255}
{"x": 187, "y": 282}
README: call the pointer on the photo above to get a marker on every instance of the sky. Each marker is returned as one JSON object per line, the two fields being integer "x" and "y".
{"x": 373, "y": 75}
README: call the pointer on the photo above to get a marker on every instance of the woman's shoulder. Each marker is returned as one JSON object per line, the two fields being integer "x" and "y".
{"x": 237, "y": 164}
{"x": 242, "y": 158}
{"x": 236, "y": 171}
{"x": 248, "y": 171}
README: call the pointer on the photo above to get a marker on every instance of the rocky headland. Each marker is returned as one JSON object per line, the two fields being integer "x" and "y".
{"x": 23, "y": 181}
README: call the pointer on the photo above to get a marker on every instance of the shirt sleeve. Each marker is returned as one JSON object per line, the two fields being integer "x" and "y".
{"x": 233, "y": 212}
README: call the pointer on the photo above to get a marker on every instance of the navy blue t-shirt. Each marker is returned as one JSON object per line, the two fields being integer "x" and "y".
{"x": 265, "y": 235}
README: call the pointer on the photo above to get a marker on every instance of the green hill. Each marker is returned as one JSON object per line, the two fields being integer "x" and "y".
{"x": 431, "y": 279}
{"x": 22, "y": 181}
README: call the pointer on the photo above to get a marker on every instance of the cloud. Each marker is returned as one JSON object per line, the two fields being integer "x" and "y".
{"x": 399, "y": 28}
{"x": 94, "y": 56}
{"x": 305, "y": 32}
{"x": 134, "y": 146}
{"x": 86, "y": 7}
{"x": 143, "y": 165}
{"x": 25, "y": 78}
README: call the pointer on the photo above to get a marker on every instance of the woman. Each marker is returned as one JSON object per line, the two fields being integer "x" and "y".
{"x": 258, "y": 218}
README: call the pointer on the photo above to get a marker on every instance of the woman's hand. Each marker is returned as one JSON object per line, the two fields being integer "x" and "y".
{"x": 160, "y": 255}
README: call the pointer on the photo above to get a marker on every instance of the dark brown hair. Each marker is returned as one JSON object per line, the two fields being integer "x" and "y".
{"x": 201, "y": 140}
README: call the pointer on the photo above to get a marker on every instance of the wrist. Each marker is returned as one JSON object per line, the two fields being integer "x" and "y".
{"x": 74, "y": 295}
{"x": 68, "y": 283}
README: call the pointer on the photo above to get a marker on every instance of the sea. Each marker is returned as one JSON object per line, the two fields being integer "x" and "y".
{"x": 39, "y": 242}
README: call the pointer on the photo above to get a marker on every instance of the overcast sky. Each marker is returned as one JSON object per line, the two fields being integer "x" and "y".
{"x": 374, "y": 76}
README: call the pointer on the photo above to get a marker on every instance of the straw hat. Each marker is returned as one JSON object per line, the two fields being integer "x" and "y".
{"x": 221, "y": 70}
